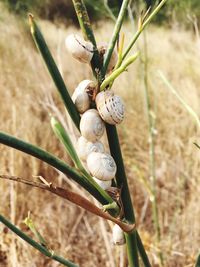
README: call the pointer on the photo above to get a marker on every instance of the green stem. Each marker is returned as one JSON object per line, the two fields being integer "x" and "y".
{"x": 187, "y": 107}
{"x": 142, "y": 252}
{"x": 118, "y": 71}
{"x": 55, "y": 162}
{"x": 86, "y": 28}
{"x": 151, "y": 128}
{"x": 142, "y": 27}
{"x": 121, "y": 179}
{"x": 36, "y": 245}
{"x": 114, "y": 37}
{"x": 116, "y": 153}
{"x": 54, "y": 72}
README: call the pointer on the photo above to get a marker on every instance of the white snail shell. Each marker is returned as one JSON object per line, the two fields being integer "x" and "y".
{"x": 118, "y": 235}
{"x": 80, "y": 96}
{"x": 110, "y": 107}
{"x": 113, "y": 60}
{"x": 101, "y": 165}
{"x": 91, "y": 125}
{"x": 103, "y": 184}
{"x": 79, "y": 48}
{"x": 85, "y": 147}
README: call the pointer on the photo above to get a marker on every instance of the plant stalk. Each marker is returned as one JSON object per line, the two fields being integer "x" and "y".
{"x": 115, "y": 150}
{"x": 53, "y": 70}
{"x": 131, "y": 239}
{"x": 142, "y": 27}
{"x": 114, "y": 37}
{"x": 118, "y": 71}
{"x": 36, "y": 245}
{"x": 151, "y": 129}
{"x": 56, "y": 163}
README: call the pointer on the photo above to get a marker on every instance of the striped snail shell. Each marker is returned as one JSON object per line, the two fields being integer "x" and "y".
{"x": 91, "y": 125}
{"x": 110, "y": 107}
{"x": 101, "y": 165}
{"x": 79, "y": 48}
{"x": 118, "y": 235}
{"x": 80, "y": 96}
{"x": 113, "y": 60}
{"x": 85, "y": 147}
{"x": 103, "y": 184}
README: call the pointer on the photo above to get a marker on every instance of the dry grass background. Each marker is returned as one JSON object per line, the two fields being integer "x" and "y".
{"x": 27, "y": 95}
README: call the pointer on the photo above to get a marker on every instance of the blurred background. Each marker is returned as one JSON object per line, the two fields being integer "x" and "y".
{"x": 27, "y": 96}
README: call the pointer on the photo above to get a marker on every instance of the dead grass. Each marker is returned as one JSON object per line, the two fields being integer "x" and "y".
{"x": 25, "y": 92}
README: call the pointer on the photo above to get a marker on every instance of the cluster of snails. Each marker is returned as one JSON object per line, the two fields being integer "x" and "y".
{"x": 109, "y": 109}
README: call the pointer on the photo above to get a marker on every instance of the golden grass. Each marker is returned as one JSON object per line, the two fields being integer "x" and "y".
{"x": 26, "y": 94}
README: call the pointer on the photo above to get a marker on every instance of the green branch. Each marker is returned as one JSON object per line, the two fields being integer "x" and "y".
{"x": 115, "y": 36}
{"x": 56, "y": 163}
{"x": 142, "y": 27}
{"x": 53, "y": 70}
{"x": 131, "y": 239}
{"x": 33, "y": 243}
{"x": 118, "y": 71}
{"x": 187, "y": 107}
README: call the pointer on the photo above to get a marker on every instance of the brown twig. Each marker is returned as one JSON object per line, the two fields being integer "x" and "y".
{"x": 74, "y": 198}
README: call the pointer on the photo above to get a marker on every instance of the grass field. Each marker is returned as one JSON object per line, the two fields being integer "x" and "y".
{"x": 27, "y": 96}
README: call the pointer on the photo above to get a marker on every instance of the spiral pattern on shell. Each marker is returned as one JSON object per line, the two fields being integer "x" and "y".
{"x": 101, "y": 165}
{"x": 91, "y": 125}
{"x": 79, "y": 48}
{"x": 110, "y": 107}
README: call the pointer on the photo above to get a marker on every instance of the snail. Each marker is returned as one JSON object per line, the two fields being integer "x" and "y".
{"x": 85, "y": 147}
{"x": 118, "y": 235}
{"x": 103, "y": 184}
{"x": 81, "y": 97}
{"x": 79, "y": 48}
{"x": 102, "y": 48}
{"x": 91, "y": 125}
{"x": 110, "y": 107}
{"x": 101, "y": 165}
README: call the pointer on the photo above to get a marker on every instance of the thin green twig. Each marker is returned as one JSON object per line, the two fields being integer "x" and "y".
{"x": 114, "y": 37}
{"x": 151, "y": 127}
{"x": 53, "y": 70}
{"x": 36, "y": 245}
{"x": 118, "y": 71}
{"x": 56, "y": 163}
{"x": 142, "y": 27}
{"x": 173, "y": 90}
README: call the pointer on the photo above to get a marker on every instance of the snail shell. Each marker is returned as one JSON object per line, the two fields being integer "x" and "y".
{"x": 110, "y": 107}
{"x": 113, "y": 60}
{"x": 91, "y": 125}
{"x": 103, "y": 184}
{"x": 79, "y": 48}
{"x": 118, "y": 235}
{"x": 85, "y": 147}
{"x": 101, "y": 165}
{"x": 80, "y": 96}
